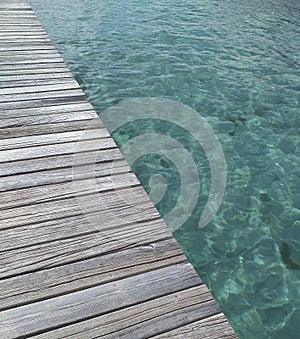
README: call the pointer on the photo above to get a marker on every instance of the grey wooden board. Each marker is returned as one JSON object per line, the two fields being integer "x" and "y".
{"x": 41, "y": 81}
{"x": 67, "y": 309}
{"x": 43, "y": 70}
{"x": 101, "y": 269}
{"x": 83, "y": 251}
{"x": 113, "y": 206}
{"x": 215, "y": 327}
{"x": 161, "y": 314}
{"x": 31, "y": 61}
{"x": 66, "y": 107}
{"x": 51, "y": 101}
{"x": 43, "y": 119}
{"x": 60, "y": 161}
{"x": 14, "y": 132}
{"x": 86, "y": 174}
{"x": 53, "y": 138}
{"x": 55, "y": 149}
{"x": 32, "y": 66}
{"x": 71, "y": 84}
{"x": 61, "y": 252}
{"x": 42, "y": 95}
{"x": 32, "y": 179}
{"x": 23, "y": 79}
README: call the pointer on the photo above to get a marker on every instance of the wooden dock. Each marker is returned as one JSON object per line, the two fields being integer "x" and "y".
{"x": 61, "y": 275}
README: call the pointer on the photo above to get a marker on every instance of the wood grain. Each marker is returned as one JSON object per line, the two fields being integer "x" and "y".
{"x": 158, "y": 315}
{"x": 67, "y": 309}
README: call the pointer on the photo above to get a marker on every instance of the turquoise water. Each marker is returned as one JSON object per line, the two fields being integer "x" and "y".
{"x": 237, "y": 63}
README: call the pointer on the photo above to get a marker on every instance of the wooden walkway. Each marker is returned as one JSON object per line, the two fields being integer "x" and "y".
{"x": 61, "y": 275}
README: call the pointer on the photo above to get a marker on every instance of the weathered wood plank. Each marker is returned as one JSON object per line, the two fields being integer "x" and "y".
{"x": 25, "y": 35}
{"x": 62, "y": 310}
{"x": 19, "y": 56}
{"x": 52, "y": 282}
{"x": 53, "y": 138}
{"x": 12, "y": 29}
{"x": 46, "y": 109}
{"x": 111, "y": 204}
{"x": 41, "y": 81}
{"x": 55, "y": 149}
{"x": 13, "y": 58}
{"x": 41, "y": 95}
{"x": 60, "y": 161}
{"x": 158, "y": 315}
{"x": 31, "y": 130}
{"x": 43, "y": 70}
{"x": 67, "y": 85}
{"x": 26, "y": 47}
{"x": 60, "y": 231}
{"x": 20, "y": 79}
{"x": 33, "y": 179}
{"x": 43, "y": 119}
{"x": 90, "y": 164}
{"x": 34, "y": 67}
{"x": 92, "y": 243}
{"x": 214, "y": 327}
{"x": 39, "y": 103}
{"x": 34, "y": 62}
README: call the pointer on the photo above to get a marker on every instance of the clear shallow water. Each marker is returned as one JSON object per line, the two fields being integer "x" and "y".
{"x": 238, "y": 64}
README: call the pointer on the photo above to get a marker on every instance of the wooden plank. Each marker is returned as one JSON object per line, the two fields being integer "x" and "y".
{"x": 62, "y": 310}
{"x": 46, "y": 102}
{"x": 43, "y": 119}
{"x": 13, "y": 54}
{"x": 43, "y": 70}
{"x": 20, "y": 35}
{"x": 16, "y": 20}
{"x": 13, "y": 58}
{"x": 60, "y": 161}
{"x": 41, "y": 95}
{"x": 11, "y": 28}
{"x": 24, "y": 47}
{"x": 158, "y": 315}
{"x": 54, "y": 138}
{"x": 116, "y": 206}
{"x": 33, "y": 179}
{"x": 67, "y": 85}
{"x": 215, "y": 327}
{"x": 53, "y": 227}
{"x": 55, "y": 149}
{"x": 32, "y": 130}
{"x": 41, "y": 81}
{"x": 36, "y": 62}
{"x": 34, "y": 67}
{"x": 18, "y": 79}
{"x": 96, "y": 242}
{"x": 91, "y": 165}
{"x": 46, "y": 109}
{"x": 22, "y": 39}
{"x": 52, "y": 282}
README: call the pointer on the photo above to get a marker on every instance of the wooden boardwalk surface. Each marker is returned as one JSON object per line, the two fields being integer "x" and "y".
{"x": 65, "y": 271}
